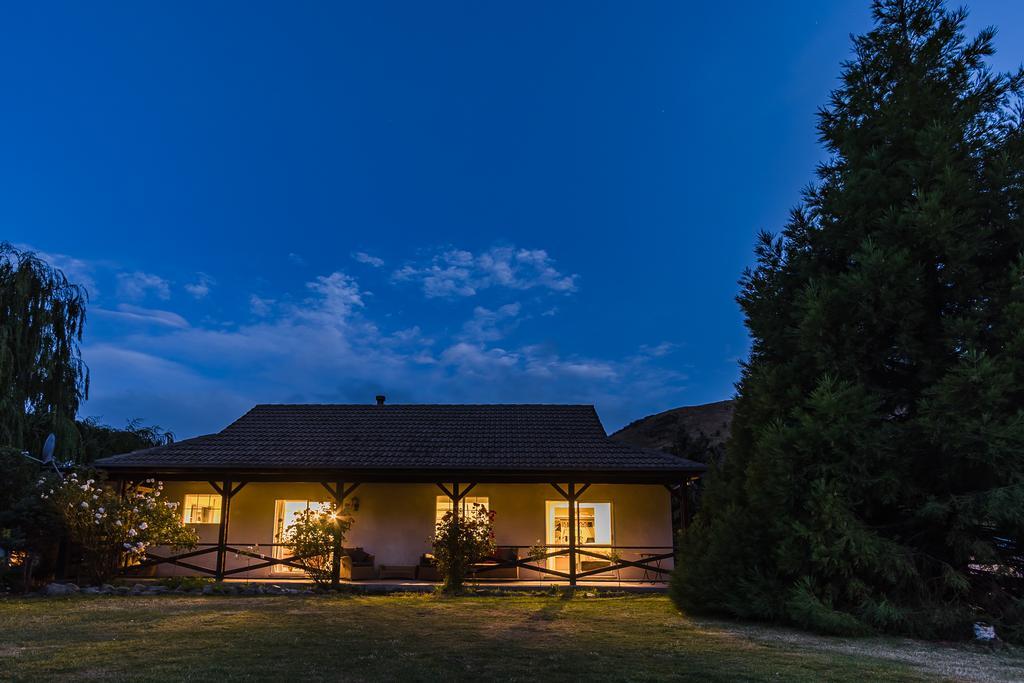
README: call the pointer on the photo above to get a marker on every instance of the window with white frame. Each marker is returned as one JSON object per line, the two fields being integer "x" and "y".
{"x": 285, "y": 512}
{"x": 593, "y": 523}
{"x": 444, "y": 505}
{"x": 202, "y": 508}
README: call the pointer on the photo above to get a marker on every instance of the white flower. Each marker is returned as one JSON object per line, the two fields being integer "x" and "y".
{"x": 102, "y": 510}
{"x": 85, "y": 506}
{"x": 85, "y": 487}
{"x": 143, "y": 526}
{"x": 118, "y": 523}
{"x": 127, "y": 546}
{"x": 133, "y": 533}
{"x": 90, "y": 481}
{"x": 51, "y": 491}
{"x": 95, "y": 497}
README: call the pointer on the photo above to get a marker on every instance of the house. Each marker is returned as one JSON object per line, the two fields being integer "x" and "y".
{"x": 549, "y": 472}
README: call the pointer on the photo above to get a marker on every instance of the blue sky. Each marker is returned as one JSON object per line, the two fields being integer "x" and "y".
{"x": 442, "y": 202}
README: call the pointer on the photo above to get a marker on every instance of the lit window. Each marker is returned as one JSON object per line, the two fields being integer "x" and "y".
{"x": 444, "y": 505}
{"x": 593, "y": 523}
{"x": 285, "y": 513}
{"x": 202, "y": 508}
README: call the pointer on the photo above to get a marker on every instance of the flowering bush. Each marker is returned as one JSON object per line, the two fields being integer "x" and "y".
{"x": 108, "y": 525}
{"x": 315, "y": 536}
{"x": 461, "y": 542}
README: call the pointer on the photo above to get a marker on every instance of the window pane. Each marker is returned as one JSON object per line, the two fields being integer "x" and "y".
{"x": 444, "y": 505}
{"x": 202, "y": 508}
{"x": 593, "y": 523}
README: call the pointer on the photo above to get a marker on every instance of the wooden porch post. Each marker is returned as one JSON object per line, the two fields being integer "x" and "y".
{"x": 572, "y": 533}
{"x": 684, "y": 502}
{"x": 339, "y": 493}
{"x": 222, "y": 534}
{"x": 339, "y": 498}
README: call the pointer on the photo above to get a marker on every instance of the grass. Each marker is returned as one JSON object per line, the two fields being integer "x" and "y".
{"x": 425, "y": 637}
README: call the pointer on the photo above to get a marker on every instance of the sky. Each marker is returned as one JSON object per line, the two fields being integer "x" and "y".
{"x": 439, "y": 202}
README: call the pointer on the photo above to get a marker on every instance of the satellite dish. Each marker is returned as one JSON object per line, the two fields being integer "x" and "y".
{"x": 51, "y": 442}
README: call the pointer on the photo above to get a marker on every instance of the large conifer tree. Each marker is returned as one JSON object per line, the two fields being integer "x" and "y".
{"x": 875, "y": 475}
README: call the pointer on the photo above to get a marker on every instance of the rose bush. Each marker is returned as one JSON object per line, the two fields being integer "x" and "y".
{"x": 111, "y": 527}
{"x": 315, "y": 536}
{"x": 460, "y": 542}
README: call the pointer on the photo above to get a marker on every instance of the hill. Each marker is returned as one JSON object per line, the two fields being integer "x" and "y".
{"x": 687, "y": 431}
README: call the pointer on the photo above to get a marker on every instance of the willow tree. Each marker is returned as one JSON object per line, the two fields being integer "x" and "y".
{"x": 875, "y": 475}
{"x": 42, "y": 376}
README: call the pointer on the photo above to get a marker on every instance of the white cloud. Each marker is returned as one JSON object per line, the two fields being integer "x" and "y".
{"x": 488, "y": 325}
{"x": 260, "y": 306}
{"x": 137, "y": 314}
{"x": 78, "y": 271}
{"x": 136, "y": 285}
{"x": 201, "y": 287}
{"x": 296, "y": 259}
{"x": 363, "y": 257}
{"x": 461, "y": 273}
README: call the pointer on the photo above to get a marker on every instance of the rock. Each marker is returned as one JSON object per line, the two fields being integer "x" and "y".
{"x": 60, "y": 589}
{"x": 107, "y": 588}
{"x": 91, "y": 590}
{"x": 157, "y": 590}
{"x": 122, "y": 590}
{"x": 208, "y": 589}
{"x": 138, "y": 588}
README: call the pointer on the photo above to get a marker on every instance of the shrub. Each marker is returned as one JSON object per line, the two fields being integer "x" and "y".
{"x": 108, "y": 525}
{"x": 315, "y": 536}
{"x": 460, "y": 542}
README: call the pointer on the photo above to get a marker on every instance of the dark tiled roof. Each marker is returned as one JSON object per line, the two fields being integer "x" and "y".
{"x": 485, "y": 438}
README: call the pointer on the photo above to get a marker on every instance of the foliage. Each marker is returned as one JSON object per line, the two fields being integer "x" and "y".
{"x": 29, "y": 528}
{"x": 108, "y": 525}
{"x": 461, "y": 541}
{"x": 98, "y": 440}
{"x": 186, "y": 583}
{"x": 42, "y": 376}
{"x": 875, "y": 474}
{"x": 315, "y": 536}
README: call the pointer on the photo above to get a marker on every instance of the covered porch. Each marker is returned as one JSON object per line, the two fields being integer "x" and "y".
{"x": 607, "y": 529}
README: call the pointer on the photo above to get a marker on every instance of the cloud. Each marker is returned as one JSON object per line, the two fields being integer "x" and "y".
{"x": 330, "y": 341}
{"x": 201, "y": 287}
{"x": 136, "y": 285}
{"x": 461, "y": 273}
{"x": 137, "y": 314}
{"x": 296, "y": 259}
{"x": 363, "y": 257}
{"x": 259, "y": 306}
{"x": 488, "y": 325}
{"x": 78, "y": 271}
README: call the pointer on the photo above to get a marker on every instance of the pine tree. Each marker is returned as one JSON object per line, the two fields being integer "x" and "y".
{"x": 875, "y": 474}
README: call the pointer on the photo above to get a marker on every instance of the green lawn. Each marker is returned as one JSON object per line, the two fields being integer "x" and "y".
{"x": 523, "y": 637}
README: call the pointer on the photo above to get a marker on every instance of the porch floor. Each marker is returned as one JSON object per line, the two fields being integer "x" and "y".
{"x": 414, "y": 586}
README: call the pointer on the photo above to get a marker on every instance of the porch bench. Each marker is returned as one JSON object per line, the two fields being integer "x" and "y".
{"x": 357, "y": 565}
{"x": 482, "y": 569}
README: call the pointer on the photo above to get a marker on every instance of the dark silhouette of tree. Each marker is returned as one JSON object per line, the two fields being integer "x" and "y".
{"x": 875, "y": 474}
{"x": 42, "y": 377}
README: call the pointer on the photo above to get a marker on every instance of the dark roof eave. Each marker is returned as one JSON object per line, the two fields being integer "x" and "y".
{"x": 420, "y": 475}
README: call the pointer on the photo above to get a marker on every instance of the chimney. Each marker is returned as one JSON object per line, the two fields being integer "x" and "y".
{"x": 380, "y": 399}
